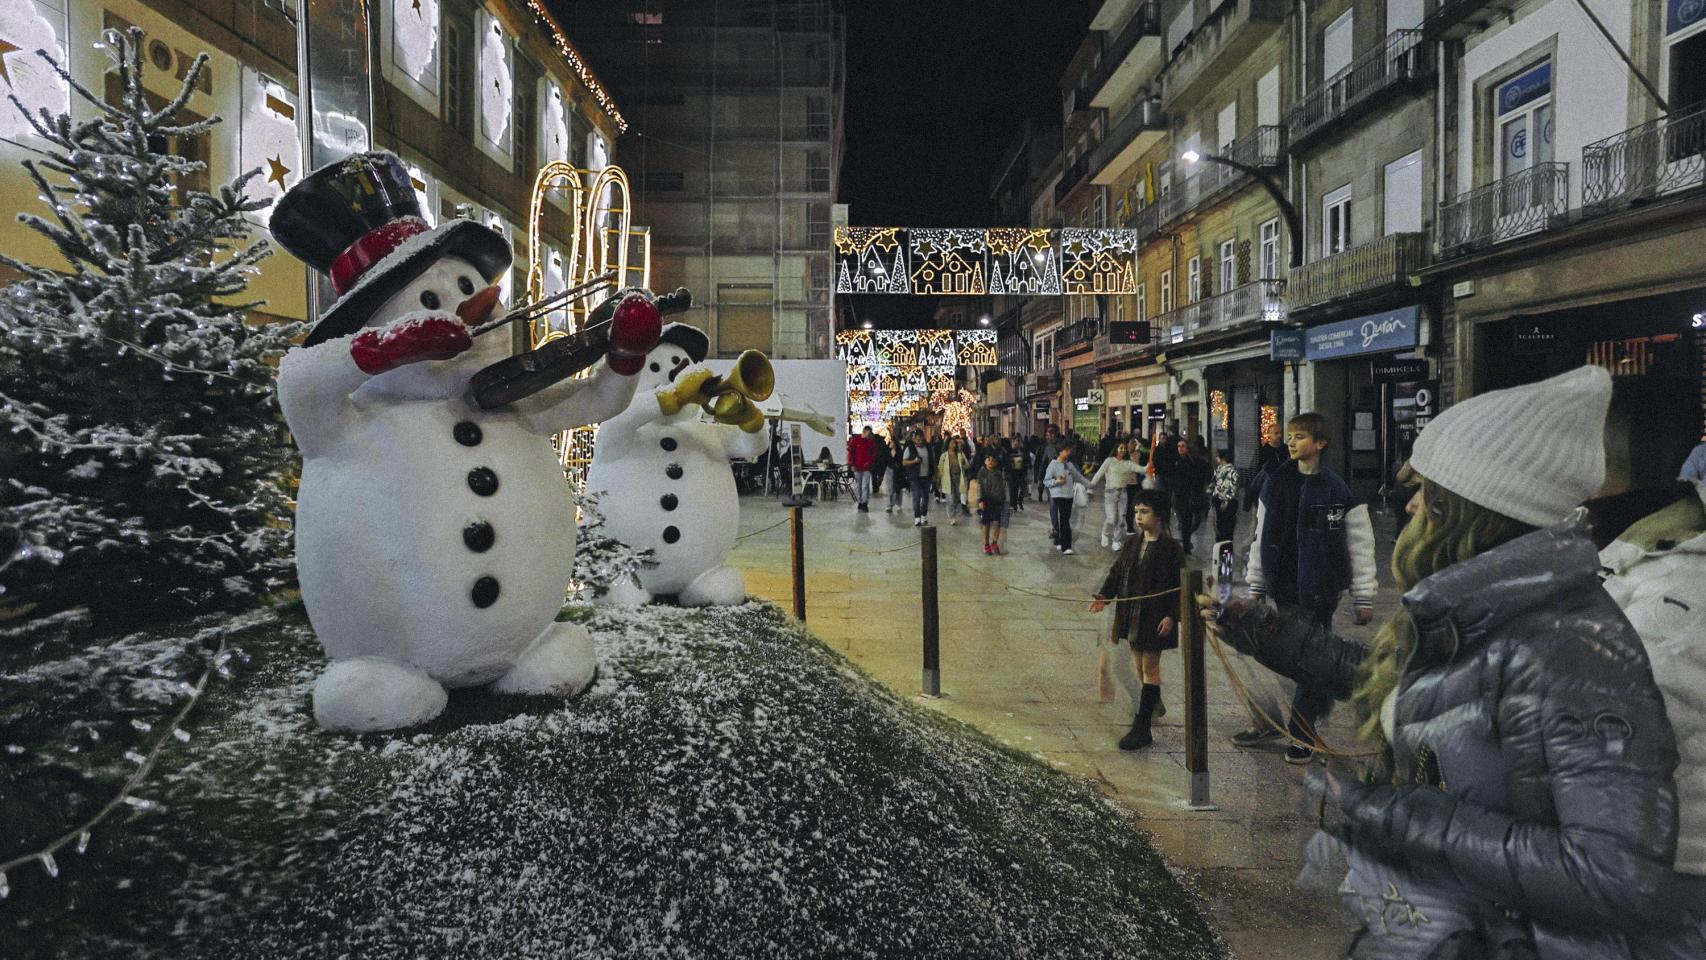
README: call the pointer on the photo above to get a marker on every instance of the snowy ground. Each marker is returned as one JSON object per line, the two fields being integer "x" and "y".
{"x": 730, "y": 788}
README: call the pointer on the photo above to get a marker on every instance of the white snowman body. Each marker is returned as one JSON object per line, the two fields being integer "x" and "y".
{"x": 434, "y": 540}
{"x": 665, "y": 484}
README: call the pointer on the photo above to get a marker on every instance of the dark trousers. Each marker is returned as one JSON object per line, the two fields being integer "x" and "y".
{"x": 1060, "y": 514}
{"x": 1310, "y": 705}
{"x": 1016, "y": 491}
{"x": 1131, "y": 507}
{"x": 1225, "y": 519}
{"x": 1190, "y": 511}
{"x": 920, "y": 497}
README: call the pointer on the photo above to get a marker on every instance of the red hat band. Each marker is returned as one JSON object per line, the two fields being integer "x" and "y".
{"x": 372, "y": 247}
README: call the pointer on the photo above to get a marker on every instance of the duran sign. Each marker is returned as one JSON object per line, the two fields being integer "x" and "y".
{"x": 1285, "y": 344}
{"x": 1377, "y": 333}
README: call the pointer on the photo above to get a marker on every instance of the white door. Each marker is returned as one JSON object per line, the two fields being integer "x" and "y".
{"x": 1228, "y": 125}
{"x": 1268, "y": 99}
{"x": 1336, "y": 45}
{"x": 1404, "y": 194}
{"x": 1336, "y": 221}
{"x": 1403, "y": 14}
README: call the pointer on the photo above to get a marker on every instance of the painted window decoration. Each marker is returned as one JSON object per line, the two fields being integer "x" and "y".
{"x": 426, "y": 193}
{"x": 25, "y": 27}
{"x": 414, "y": 44}
{"x": 267, "y": 137}
{"x": 556, "y": 281}
{"x": 553, "y": 123}
{"x": 1524, "y": 109}
{"x": 497, "y": 87}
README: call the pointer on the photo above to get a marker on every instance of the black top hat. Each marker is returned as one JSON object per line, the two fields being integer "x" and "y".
{"x": 358, "y": 220}
{"x": 689, "y": 338}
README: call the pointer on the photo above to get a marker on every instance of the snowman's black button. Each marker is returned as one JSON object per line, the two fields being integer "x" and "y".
{"x": 673, "y": 471}
{"x": 483, "y": 481}
{"x": 485, "y": 592}
{"x": 668, "y": 443}
{"x": 669, "y": 502}
{"x": 671, "y": 534}
{"x": 467, "y": 433}
{"x": 479, "y": 536}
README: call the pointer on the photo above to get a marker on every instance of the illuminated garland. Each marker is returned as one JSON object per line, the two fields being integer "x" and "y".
{"x": 932, "y": 261}
{"x": 1218, "y": 408}
{"x": 578, "y": 64}
{"x": 1270, "y": 424}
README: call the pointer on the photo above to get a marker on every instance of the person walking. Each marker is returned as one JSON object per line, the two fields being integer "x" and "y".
{"x": 1049, "y": 454}
{"x": 1522, "y": 802}
{"x": 1061, "y": 480}
{"x": 862, "y": 457}
{"x": 897, "y": 472}
{"x": 915, "y": 461}
{"x": 1118, "y": 474}
{"x": 953, "y": 472}
{"x": 880, "y": 469}
{"x": 1314, "y": 539}
{"x": 989, "y": 491}
{"x": 1268, "y": 456}
{"x": 1018, "y": 469}
{"x": 1223, "y": 495}
{"x": 1143, "y": 585}
{"x": 1189, "y": 488}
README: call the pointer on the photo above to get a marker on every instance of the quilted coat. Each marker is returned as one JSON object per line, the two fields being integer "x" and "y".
{"x": 1531, "y": 761}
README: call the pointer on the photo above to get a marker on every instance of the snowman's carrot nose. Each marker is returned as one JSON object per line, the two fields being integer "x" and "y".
{"x": 478, "y": 307}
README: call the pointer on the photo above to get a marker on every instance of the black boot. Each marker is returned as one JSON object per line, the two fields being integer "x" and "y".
{"x": 1139, "y": 736}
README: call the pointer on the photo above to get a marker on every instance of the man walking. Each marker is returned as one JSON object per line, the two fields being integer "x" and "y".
{"x": 915, "y": 461}
{"x": 862, "y": 456}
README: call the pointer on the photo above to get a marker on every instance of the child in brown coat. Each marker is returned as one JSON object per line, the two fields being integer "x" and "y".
{"x": 1148, "y": 567}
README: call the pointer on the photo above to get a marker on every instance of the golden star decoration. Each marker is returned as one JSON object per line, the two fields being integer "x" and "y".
{"x": 277, "y": 171}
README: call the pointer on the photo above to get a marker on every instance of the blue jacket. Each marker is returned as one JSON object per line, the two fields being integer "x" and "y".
{"x": 1335, "y": 538}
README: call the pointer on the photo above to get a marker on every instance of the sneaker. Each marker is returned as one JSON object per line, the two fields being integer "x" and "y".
{"x": 997, "y": 549}
{"x": 1255, "y": 736}
{"x": 988, "y": 550}
{"x": 889, "y": 508}
{"x": 1057, "y": 547}
{"x": 1104, "y": 539}
{"x": 1298, "y": 754}
{"x": 1067, "y": 551}
{"x": 1118, "y": 545}
{"x": 954, "y": 521}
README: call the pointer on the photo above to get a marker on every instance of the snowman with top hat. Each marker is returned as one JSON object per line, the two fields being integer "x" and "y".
{"x": 434, "y": 539}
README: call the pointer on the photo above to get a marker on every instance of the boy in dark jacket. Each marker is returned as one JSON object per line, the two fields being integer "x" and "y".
{"x": 1314, "y": 540}
{"x": 991, "y": 496}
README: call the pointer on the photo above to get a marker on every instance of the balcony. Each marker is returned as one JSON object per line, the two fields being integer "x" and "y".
{"x": 1141, "y": 128}
{"x": 1264, "y": 148}
{"x": 1453, "y": 19}
{"x": 1109, "y": 352}
{"x": 1147, "y": 222}
{"x": 1222, "y": 40}
{"x": 1038, "y": 383}
{"x": 1130, "y": 59}
{"x": 1652, "y": 160}
{"x": 1400, "y": 59}
{"x": 1523, "y": 203}
{"x": 1076, "y": 112}
{"x": 1073, "y": 176}
{"x": 1383, "y": 265}
{"x": 1076, "y": 334}
{"x": 1253, "y": 303}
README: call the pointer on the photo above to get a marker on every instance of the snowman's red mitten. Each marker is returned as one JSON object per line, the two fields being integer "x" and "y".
{"x": 411, "y": 341}
{"x": 634, "y": 331}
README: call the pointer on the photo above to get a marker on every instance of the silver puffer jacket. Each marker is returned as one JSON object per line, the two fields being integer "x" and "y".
{"x": 1532, "y": 763}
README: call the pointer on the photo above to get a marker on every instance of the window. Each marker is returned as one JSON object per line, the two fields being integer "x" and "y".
{"x": 1193, "y": 280}
{"x": 521, "y": 120}
{"x": 1167, "y": 291}
{"x": 1687, "y": 74}
{"x": 1270, "y": 232}
{"x": 1404, "y": 194}
{"x": 1523, "y": 107}
{"x": 1228, "y": 265}
{"x": 1268, "y": 99}
{"x": 455, "y": 78}
{"x": 1336, "y": 221}
{"x": 1142, "y": 300}
{"x": 1228, "y": 126}
{"x": 1403, "y": 14}
{"x": 1336, "y": 46}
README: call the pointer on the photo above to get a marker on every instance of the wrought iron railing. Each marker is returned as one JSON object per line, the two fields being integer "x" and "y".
{"x": 1073, "y": 176}
{"x": 1261, "y": 301}
{"x": 1144, "y": 115}
{"x": 1013, "y": 354}
{"x": 1108, "y": 349}
{"x": 1263, "y": 147}
{"x": 1527, "y": 202}
{"x": 1145, "y": 22}
{"x": 1077, "y": 332}
{"x": 1382, "y": 264}
{"x": 1400, "y": 58}
{"x": 1651, "y": 160}
{"x": 1146, "y": 221}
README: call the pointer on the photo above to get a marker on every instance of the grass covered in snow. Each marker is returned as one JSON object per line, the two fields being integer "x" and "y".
{"x": 729, "y": 788}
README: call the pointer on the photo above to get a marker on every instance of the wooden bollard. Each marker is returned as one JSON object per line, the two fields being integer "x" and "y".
{"x": 1196, "y": 689}
{"x": 932, "y": 623}
{"x": 797, "y": 519}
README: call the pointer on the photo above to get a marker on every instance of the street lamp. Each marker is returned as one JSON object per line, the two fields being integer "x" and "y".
{"x": 984, "y": 320}
{"x": 1293, "y": 223}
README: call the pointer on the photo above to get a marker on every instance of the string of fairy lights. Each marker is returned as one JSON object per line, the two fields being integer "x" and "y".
{"x": 894, "y": 374}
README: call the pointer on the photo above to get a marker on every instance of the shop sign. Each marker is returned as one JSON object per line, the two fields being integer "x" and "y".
{"x": 1530, "y": 337}
{"x": 1286, "y": 344}
{"x": 1399, "y": 371}
{"x": 1134, "y": 396}
{"x": 1413, "y": 405}
{"x": 1682, "y": 14}
{"x": 1376, "y": 333}
{"x": 1096, "y": 396}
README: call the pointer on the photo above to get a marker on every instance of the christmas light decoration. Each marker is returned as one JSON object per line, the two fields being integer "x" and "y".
{"x": 1218, "y": 408}
{"x": 497, "y": 87}
{"x": 1270, "y": 424}
{"x": 577, "y": 63}
{"x": 1002, "y": 260}
{"x": 947, "y": 261}
{"x": 1098, "y": 261}
{"x": 414, "y": 42}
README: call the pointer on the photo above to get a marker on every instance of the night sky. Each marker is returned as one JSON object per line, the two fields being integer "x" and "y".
{"x": 935, "y": 91}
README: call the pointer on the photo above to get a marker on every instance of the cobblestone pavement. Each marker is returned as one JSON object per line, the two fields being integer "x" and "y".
{"x": 1022, "y": 669}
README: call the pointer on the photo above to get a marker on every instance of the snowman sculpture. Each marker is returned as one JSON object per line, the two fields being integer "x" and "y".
{"x": 434, "y": 539}
{"x": 663, "y": 473}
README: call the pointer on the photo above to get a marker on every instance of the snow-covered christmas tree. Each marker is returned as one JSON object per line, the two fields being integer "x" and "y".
{"x": 143, "y": 461}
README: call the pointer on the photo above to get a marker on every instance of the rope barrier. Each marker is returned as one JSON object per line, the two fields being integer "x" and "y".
{"x": 755, "y": 533}
{"x": 1055, "y": 596}
{"x": 1261, "y": 715}
{"x": 878, "y": 553}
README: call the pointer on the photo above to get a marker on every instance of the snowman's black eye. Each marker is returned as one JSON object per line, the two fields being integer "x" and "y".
{"x": 655, "y": 368}
{"x": 429, "y": 299}
{"x": 465, "y": 285}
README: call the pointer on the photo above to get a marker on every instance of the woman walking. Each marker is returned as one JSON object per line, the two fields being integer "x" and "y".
{"x": 1118, "y": 475}
{"x": 1523, "y": 803}
{"x": 897, "y": 473}
{"x": 1143, "y": 585}
{"x": 1189, "y": 487}
{"x": 953, "y": 473}
{"x": 1060, "y": 480}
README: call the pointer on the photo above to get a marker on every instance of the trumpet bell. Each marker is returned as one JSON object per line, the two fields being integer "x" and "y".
{"x": 752, "y": 377}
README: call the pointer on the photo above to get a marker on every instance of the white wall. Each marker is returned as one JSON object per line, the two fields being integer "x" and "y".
{"x": 819, "y": 384}
{"x": 1590, "y": 85}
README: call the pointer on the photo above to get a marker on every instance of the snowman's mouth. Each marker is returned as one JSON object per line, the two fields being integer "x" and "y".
{"x": 680, "y": 365}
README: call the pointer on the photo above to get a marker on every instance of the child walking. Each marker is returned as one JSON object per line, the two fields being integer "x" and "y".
{"x": 990, "y": 492}
{"x": 1223, "y": 493}
{"x": 1148, "y": 568}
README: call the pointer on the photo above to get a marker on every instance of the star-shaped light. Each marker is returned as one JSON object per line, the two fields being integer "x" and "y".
{"x": 277, "y": 171}
{"x": 5, "y": 70}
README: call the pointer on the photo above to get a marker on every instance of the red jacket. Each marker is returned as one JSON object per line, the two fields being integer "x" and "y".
{"x": 862, "y": 452}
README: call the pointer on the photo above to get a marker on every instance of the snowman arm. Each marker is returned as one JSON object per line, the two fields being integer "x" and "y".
{"x": 314, "y": 387}
{"x": 738, "y": 444}
{"x": 601, "y": 397}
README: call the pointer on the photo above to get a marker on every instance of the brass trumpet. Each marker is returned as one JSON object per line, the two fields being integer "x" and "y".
{"x": 730, "y": 399}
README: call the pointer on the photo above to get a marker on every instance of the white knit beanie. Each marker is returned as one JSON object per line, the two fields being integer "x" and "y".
{"x": 1532, "y": 453}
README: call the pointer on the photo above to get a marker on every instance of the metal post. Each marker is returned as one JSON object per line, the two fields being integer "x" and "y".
{"x": 932, "y": 626}
{"x": 797, "y": 521}
{"x": 1196, "y": 689}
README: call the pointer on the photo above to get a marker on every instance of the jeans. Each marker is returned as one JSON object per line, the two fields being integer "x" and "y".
{"x": 920, "y": 497}
{"x": 1225, "y": 520}
{"x": 1310, "y": 705}
{"x": 953, "y": 490}
{"x": 1113, "y": 514}
{"x": 895, "y": 488}
{"x": 1060, "y": 514}
{"x": 862, "y": 486}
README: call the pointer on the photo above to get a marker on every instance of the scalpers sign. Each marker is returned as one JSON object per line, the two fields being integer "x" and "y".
{"x": 1377, "y": 333}
{"x": 1003, "y": 261}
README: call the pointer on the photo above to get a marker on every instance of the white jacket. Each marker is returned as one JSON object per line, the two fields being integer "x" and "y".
{"x": 1119, "y": 473}
{"x": 1656, "y": 571}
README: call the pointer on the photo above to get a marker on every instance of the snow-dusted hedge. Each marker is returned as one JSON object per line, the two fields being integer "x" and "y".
{"x": 730, "y": 788}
